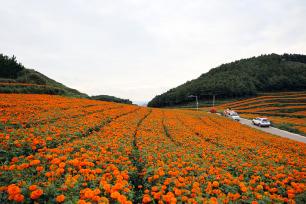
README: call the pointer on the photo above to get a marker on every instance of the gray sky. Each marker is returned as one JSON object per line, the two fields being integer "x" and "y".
{"x": 137, "y": 49}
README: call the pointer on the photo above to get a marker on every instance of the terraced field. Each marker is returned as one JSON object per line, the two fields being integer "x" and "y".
{"x": 286, "y": 110}
{"x": 64, "y": 150}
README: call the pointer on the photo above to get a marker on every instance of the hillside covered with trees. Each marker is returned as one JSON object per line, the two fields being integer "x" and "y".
{"x": 242, "y": 78}
{"x": 111, "y": 99}
{"x": 15, "y": 78}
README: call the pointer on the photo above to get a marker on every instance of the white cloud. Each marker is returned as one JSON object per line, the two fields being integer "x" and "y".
{"x": 137, "y": 49}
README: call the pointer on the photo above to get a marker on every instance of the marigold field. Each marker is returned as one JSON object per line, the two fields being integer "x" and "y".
{"x": 66, "y": 150}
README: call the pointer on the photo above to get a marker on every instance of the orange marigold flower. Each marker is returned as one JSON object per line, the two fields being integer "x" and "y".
{"x": 157, "y": 196}
{"x": 19, "y": 198}
{"x": 36, "y": 194}
{"x": 259, "y": 187}
{"x": 39, "y": 168}
{"x": 115, "y": 195}
{"x": 96, "y": 198}
{"x": 55, "y": 161}
{"x": 48, "y": 174}
{"x": 213, "y": 200}
{"x": 184, "y": 198}
{"x": 60, "y": 198}
{"x": 32, "y": 187}
{"x": 89, "y": 194}
{"x": 181, "y": 179}
{"x": 173, "y": 200}
{"x": 13, "y": 189}
{"x": 12, "y": 167}
{"x": 215, "y": 184}
{"x": 62, "y": 165}
{"x": 49, "y": 138}
{"x": 258, "y": 196}
{"x": 291, "y": 195}
{"x": 177, "y": 192}
{"x": 34, "y": 162}
{"x": 243, "y": 189}
{"x": 97, "y": 191}
{"x": 154, "y": 188}
{"x": 82, "y": 202}
{"x": 146, "y": 199}
{"x": 15, "y": 159}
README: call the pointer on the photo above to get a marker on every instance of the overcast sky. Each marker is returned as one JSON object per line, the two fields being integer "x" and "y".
{"x": 137, "y": 49}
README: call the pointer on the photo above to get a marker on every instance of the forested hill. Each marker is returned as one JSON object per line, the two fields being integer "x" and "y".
{"x": 111, "y": 99}
{"x": 15, "y": 78}
{"x": 245, "y": 77}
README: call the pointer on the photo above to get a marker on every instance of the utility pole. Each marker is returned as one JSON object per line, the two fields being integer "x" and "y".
{"x": 197, "y": 102}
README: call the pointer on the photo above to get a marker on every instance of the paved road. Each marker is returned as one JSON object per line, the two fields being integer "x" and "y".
{"x": 275, "y": 131}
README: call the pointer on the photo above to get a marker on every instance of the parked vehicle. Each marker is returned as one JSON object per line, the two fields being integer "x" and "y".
{"x": 261, "y": 122}
{"x": 232, "y": 115}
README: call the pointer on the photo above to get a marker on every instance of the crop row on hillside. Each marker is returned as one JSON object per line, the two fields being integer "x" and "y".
{"x": 13, "y": 87}
{"x": 286, "y": 110}
{"x": 281, "y": 97}
{"x": 139, "y": 155}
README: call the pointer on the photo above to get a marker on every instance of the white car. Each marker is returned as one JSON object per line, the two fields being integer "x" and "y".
{"x": 233, "y": 115}
{"x": 261, "y": 122}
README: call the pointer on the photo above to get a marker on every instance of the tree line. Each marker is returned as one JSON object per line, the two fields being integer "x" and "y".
{"x": 111, "y": 99}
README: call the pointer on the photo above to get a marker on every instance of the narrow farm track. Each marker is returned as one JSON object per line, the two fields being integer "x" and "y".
{"x": 141, "y": 155}
{"x": 138, "y": 163}
{"x": 166, "y": 131}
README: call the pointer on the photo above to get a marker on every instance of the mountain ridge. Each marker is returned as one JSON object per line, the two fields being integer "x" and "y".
{"x": 240, "y": 78}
